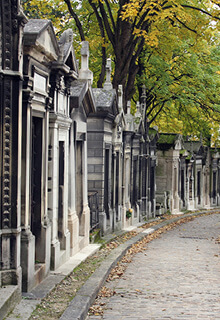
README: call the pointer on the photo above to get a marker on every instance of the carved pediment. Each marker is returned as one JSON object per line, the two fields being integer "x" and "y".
{"x": 39, "y": 34}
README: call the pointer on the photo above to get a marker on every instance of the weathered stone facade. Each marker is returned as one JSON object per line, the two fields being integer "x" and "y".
{"x": 100, "y": 152}
{"x": 167, "y": 172}
{"x": 12, "y": 22}
{"x": 187, "y": 175}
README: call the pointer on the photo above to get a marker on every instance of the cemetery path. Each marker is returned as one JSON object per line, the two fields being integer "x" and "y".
{"x": 176, "y": 277}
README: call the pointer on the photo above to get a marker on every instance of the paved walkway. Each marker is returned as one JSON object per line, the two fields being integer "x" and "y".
{"x": 177, "y": 277}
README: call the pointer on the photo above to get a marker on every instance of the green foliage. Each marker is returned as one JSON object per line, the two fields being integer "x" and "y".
{"x": 183, "y": 83}
{"x": 171, "y": 47}
{"x": 54, "y": 10}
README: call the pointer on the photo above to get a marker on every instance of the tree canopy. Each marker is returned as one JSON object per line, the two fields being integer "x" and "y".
{"x": 172, "y": 47}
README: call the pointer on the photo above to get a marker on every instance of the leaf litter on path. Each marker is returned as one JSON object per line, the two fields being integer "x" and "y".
{"x": 140, "y": 246}
{"x": 55, "y": 303}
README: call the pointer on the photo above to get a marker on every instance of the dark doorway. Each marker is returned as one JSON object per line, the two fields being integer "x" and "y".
{"x": 79, "y": 183}
{"x": 36, "y": 180}
{"x": 117, "y": 186}
{"x": 61, "y": 191}
{"x": 199, "y": 186}
{"x": 214, "y": 187}
{"x": 106, "y": 184}
{"x": 152, "y": 184}
{"x": 135, "y": 187}
{"x": 183, "y": 187}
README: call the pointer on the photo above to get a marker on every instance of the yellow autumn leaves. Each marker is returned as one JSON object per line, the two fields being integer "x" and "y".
{"x": 148, "y": 15}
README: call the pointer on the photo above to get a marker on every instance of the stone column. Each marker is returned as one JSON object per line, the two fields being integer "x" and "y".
{"x": 53, "y": 162}
{"x": 73, "y": 220}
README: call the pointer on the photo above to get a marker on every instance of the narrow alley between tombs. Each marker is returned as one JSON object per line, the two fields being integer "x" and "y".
{"x": 80, "y": 162}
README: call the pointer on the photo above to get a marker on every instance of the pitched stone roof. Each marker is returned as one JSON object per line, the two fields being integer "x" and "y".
{"x": 36, "y": 25}
{"x": 192, "y": 146}
{"x": 40, "y": 33}
{"x": 167, "y": 140}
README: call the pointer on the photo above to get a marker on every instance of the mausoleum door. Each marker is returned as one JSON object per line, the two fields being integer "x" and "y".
{"x": 36, "y": 178}
{"x": 79, "y": 180}
{"x": 152, "y": 184}
{"x": 134, "y": 186}
{"x": 206, "y": 187}
{"x": 117, "y": 185}
{"x": 175, "y": 189}
{"x": 199, "y": 186}
{"x": 106, "y": 183}
{"x": 218, "y": 185}
{"x": 61, "y": 192}
{"x": 214, "y": 193}
{"x": 183, "y": 187}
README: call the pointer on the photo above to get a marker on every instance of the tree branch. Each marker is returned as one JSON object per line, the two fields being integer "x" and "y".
{"x": 201, "y": 10}
{"x": 106, "y": 24}
{"x": 102, "y": 32}
{"x": 163, "y": 104}
{"x": 75, "y": 17}
{"x": 185, "y": 26}
{"x": 110, "y": 14}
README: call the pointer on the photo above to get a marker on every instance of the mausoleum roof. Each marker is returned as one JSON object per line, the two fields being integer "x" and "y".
{"x": 192, "y": 146}
{"x": 40, "y": 34}
{"x": 36, "y": 26}
{"x": 167, "y": 141}
{"x": 78, "y": 91}
{"x": 167, "y": 138}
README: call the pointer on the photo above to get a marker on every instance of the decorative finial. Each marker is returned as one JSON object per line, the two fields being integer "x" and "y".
{"x": 84, "y": 72}
{"x": 129, "y": 107}
{"x": 120, "y": 97}
{"x": 108, "y": 84}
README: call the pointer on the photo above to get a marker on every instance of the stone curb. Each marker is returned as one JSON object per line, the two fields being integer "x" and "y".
{"x": 79, "y": 306}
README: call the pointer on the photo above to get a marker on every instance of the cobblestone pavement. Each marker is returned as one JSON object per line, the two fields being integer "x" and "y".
{"x": 177, "y": 277}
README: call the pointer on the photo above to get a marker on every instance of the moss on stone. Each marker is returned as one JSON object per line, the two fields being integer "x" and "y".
{"x": 167, "y": 138}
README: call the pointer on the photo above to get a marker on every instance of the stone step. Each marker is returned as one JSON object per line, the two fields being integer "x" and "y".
{"x": 9, "y": 297}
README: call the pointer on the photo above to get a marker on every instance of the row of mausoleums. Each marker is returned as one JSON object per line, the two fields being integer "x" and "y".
{"x": 71, "y": 160}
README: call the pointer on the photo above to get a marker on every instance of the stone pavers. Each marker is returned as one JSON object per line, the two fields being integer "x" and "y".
{"x": 177, "y": 277}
